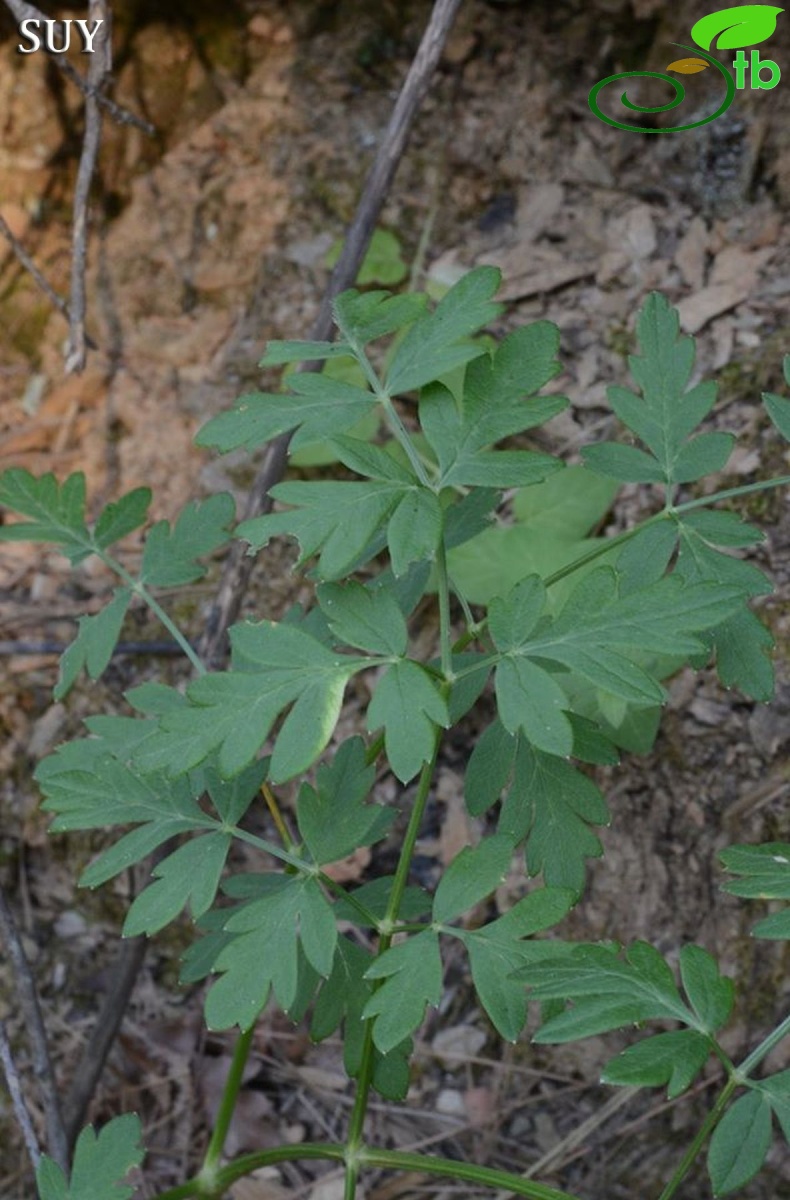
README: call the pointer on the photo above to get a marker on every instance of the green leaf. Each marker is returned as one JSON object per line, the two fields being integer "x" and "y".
{"x": 101, "y": 1162}
{"x": 666, "y": 414}
{"x": 567, "y": 505}
{"x": 711, "y": 994}
{"x": 190, "y": 874}
{"x": 122, "y": 517}
{"x": 383, "y": 262}
{"x": 318, "y": 407}
{"x": 459, "y": 440}
{"x": 412, "y": 974}
{"x": 765, "y": 875}
{"x": 606, "y": 993}
{"x": 414, "y": 530}
{"x": 341, "y": 1001}
{"x": 473, "y": 875}
{"x": 368, "y": 618}
{"x": 279, "y": 353}
{"x": 778, "y": 408}
{"x": 370, "y": 315}
{"x": 264, "y": 954}
{"x": 56, "y": 511}
{"x": 733, "y": 28}
{"x": 335, "y": 519}
{"x": 333, "y": 817}
{"x": 529, "y": 700}
{"x": 742, "y": 642}
{"x": 374, "y": 462}
{"x": 202, "y": 527}
{"x": 552, "y": 806}
{"x": 498, "y": 949}
{"x": 625, "y": 463}
{"x": 598, "y": 629}
{"x": 408, "y": 705}
{"x": 777, "y": 1089}
{"x": 93, "y": 646}
{"x": 431, "y": 346}
{"x": 672, "y": 1058}
{"x": 740, "y": 1143}
{"x": 489, "y": 768}
{"x": 703, "y": 455}
{"x": 512, "y": 620}
{"x": 232, "y": 712}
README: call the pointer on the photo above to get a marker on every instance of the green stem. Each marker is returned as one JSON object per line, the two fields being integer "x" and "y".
{"x": 248, "y": 1163}
{"x": 766, "y": 1045}
{"x": 703, "y": 1133}
{"x": 401, "y": 1160}
{"x": 761, "y": 486}
{"x": 357, "y": 1119}
{"x": 402, "y": 434}
{"x": 208, "y": 1172}
{"x": 142, "y": 591}
{"x": 443, "y": 585}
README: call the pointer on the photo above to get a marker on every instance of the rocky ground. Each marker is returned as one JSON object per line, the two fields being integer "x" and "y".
{"x": 210, "y": 239}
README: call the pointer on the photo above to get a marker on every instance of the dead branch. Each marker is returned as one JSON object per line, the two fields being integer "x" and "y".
{"x": 238, "y": 565}
{"x": 57, "y": 1142}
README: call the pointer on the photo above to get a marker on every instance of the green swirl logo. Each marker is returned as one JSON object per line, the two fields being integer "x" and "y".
{"x": 730, "y": 29}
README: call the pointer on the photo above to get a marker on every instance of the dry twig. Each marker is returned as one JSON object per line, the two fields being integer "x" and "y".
{"x": 238, "y": 566}
{"x": 57, "y": 1142}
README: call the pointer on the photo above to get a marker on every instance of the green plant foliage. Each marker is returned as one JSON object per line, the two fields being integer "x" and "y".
{"x": 101, "y": 1162}
{"x": 764, "y": 874}
{"x": 383, "y": 262}
{"x": 568, "y": 651}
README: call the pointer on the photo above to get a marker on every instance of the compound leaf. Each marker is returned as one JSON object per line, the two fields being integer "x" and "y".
{"x": 778, "y": 408}
{"x": 169, "y": 556}
{"x": 765, "y": 875}
{"x": 101, "y": 1163}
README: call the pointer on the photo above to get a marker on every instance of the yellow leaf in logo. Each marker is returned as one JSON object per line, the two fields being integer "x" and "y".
{"x": 688, "y": 66}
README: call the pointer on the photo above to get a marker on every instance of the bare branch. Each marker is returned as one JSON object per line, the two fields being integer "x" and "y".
{"x": 238, "y": 565}
{"x": 57, "y": 1142}
{"x": 17, "y": 1099}
{"x": 98, "y": 72}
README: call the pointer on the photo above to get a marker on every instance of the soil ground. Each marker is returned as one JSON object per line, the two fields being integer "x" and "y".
{"x": 210, "y": 239}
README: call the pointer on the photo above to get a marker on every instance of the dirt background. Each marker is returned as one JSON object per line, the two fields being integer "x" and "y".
{"x": 211, "y": 238}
